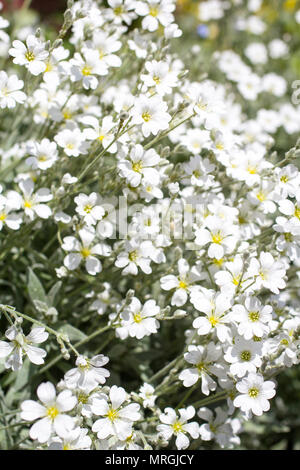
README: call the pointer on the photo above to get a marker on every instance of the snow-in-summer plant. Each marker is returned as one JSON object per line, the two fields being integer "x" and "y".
{"x": 149, "y": 229}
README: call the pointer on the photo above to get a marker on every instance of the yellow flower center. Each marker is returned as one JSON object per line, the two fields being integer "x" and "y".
{"x": 297, "y": 212}
{"x": 85, "y": 252}
{"x": 133, "y": 255}
{"x": 246, "y": 356}
{"x": 29, "y": 56}
{"x": 183, "y": 285}
{"x": 70, "y": 146}
{"x": 261, "y": 196}
{"x": 146, "y": 116}
{"x": 42, "y": 158}
{"x": 252, "y": 170}
{"x": 153, "y": 11}
{"x": 27, "y": 204}
{"x": 218, "y": 262}
{"x": 66, "y": 114}
{"x": 2, "y": 216}
{"x": 220, "y": 146}
{"x": 112, "y": 414}
{"x": 88, "y": 208}
{"x": 236, "y": 280}
{"x": 156, "y": 79}
{"x": 52, "y": 412}
{"x": 101, "y": 137}
{"x": 253, "y": 316}
{"x": 86, "y": 70}
{"x": 284, "y": 342}
{"x": 177, "y": 427}
{"x": 66, "y": 447}
{"x": 217, "y": 238}
{"x": 137, "y": 317}
{"x": 82, "y": 398}
{"x": 213, "y": 320}
{"x": 253, "y": 392}
{"x": 284, "y": 179}
{"x": 118, "y": 10}
{"x": 137, "y": 166}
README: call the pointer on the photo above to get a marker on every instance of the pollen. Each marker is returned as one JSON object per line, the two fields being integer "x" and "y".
{"x": 101, "y": 137}
{"x": 153, "y": 12}
{"x": 253, "y": 392}
{"x": 67, "y": 115}
{"x": 88, "y": 208}
{"x": 177, "y": 427}
{"x": 52, "y": 412}
{"x": 297, "y": 212}
{"x": 220, "y": 146}
{"x": 253, "y": 316}
{"x": 137, "y": 167}
{"x": 86, "y": 70}
{"x": 146, "y": 116}
{"x": 245, "y": 356}
{"x": 82, "y": 398}
{"x": 2, "y": 217}
{"x": 284, "y": 179}
{"x": 213, "y": 320}
{"x": 217, "y": 238}
{"x": 112, "y": 414}
{"x": 42, "y": 158}
{"x": 85, "y": 252}
{"x": 236, "y": 280}
{"x": 261, "y": 196}
{"x": 29, "y": 56}
{"x": 183, "y": 285}
{"x": 284, "y": 342}
{"x": 27, "y": 204}
{"x": 137, "y": 317}
{"x": 252, "y": 170}
{"x": 70, "y": 146}
{"x": 133, "y": 255}
{"x": 156, "y": 79}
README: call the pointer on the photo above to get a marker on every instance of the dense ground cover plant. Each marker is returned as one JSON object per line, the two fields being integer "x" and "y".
{"x": 150, "y": 226}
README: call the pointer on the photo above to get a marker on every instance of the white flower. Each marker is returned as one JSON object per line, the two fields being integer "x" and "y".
{"x": 220, "y": 235}
{"x": 155, "y": 12}
{"x": 136, "y": 256}
{"x": 139, "y": 166}
{"x": 183, "y": 283}
{"x": 146, "y": 392}
{"x": 217, "y": 427}
{"x": 84, "y": 66}
{"x": 44, "y": 154}
{"x": 84, "y": 250}
{"x": 117, "y": 420}
{"x": 8, "y": 204}
{"x": 10, "y": 93}
{"x": 254, "y": 394}
{"x": 72, "y": 141}
{"x": 178, "y": 426}
{"x": 244, "y": 356}
{"x": 104, "y": 133}
{"x": 268, "y": 273}
{"x": 32, "y": 203}
{"x": 33, "y": 55}
{"x": 159, "y": 77}
{"x": 88, "y": 373}
{"x": 89, "y": 208}
{"x": 21, "y": 345}
{"x": 151, "y": 113}
{"x": 137, "y": 319}
{"x": 253, "y": 318}
{"x": 215, "y": 307}
{"x": 204, "y": 364}
{"x": 50, "y": 414}
{"x": 76, "y": 439}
